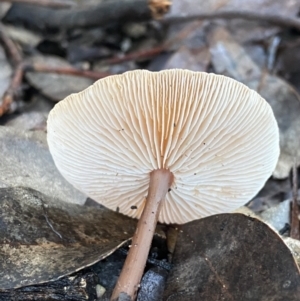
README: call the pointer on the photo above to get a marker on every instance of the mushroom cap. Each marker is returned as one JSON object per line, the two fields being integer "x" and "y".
{"x": 218, "y": 137}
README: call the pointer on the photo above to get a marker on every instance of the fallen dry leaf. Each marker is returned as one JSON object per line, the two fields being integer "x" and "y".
{"x": 243, "y": 30}
{"x": 22, "y": 36}
{"x": 274, "y": 192}
{"x": 4, "y": 7}
{"x": 294, "y": 246}
{"x": 288, "y": 7}
{"x": 26, "y": 161}
{"x": 192, "y": 59}
{"x": 231, "y": 257}
{"x": 56, "y": 86}
{"x": 29, "y": 121}
{"x": 288, "y": 62}
{"x": 231, "y": 59}
{"x": 5, "y": 73}
{"x": 43, "y": 238}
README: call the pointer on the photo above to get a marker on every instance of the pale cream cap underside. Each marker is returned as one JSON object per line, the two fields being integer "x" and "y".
{"x": 218, "y": 137}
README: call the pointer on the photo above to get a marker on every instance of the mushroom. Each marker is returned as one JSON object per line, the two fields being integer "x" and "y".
{"x": 170, "y": 146}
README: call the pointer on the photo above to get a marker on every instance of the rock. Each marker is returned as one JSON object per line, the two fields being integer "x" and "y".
{"x": 152, "y": 285}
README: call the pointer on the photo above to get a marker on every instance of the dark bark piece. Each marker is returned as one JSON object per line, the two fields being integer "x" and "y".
{"x": 106, "y": 12}
{"x": 231, "y": 257}
{"x": 43, "y": 239}
{"x": 295, "y": 223}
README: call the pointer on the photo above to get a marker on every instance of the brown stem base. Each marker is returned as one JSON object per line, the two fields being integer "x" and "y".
{"x": 131, "y": 274}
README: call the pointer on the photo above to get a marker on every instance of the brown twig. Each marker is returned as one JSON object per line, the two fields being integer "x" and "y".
{"x": 133, "y": 56}
{"x": 279, "y": 20}
{"x": 295, "y": 209}
{"x": 16, "y": 81}
{"x": 11, "y": 48}
{"x": 20, "y": 67}
{"x": 66, "y": 70}
{"x": 13, "y": 90}
{"x": 148, "y": 53}
{"x": 45, "y": 3}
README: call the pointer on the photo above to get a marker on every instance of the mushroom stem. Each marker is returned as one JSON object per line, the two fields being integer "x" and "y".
{"x": 131, "y": 274}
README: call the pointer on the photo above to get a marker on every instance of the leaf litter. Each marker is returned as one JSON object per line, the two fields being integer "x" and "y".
{"x": 236, "y": 48}
{"x": 43, "y": 238}
{"x": 227, "y": 257}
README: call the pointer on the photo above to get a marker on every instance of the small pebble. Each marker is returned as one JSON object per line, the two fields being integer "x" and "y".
{"x": 100, "y": 291}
